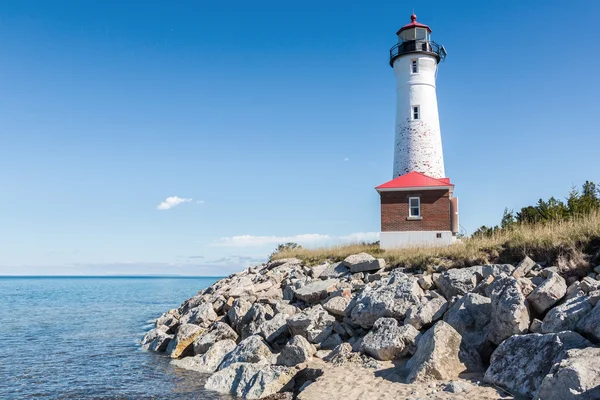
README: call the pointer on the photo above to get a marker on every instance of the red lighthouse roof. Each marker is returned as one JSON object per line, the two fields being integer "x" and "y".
{"x": 413, "y": 24}
{"x": 415, "y": 180}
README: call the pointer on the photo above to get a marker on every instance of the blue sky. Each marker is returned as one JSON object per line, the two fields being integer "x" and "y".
{"x": 275, "y": 118}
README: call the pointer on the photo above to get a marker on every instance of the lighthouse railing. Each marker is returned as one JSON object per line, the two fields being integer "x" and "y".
{"x": 417, "y": 46}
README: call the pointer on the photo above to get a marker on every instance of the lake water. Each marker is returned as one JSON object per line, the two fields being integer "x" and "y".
{"x": 78, "y": 338}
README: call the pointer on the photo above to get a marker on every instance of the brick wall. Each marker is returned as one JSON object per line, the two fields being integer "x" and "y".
{"x": 435, "y": 211}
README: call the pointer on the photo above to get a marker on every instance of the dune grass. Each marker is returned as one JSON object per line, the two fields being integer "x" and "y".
{"x": 574, "y": 241}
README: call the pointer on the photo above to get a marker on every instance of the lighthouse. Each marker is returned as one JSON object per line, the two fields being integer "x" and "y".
{"x": 417, "y": 205}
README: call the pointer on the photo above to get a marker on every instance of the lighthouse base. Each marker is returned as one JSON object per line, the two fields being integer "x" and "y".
{"x": 399, "y": 240}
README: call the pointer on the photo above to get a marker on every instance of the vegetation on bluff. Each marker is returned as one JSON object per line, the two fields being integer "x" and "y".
{"x": 556, "y": 232}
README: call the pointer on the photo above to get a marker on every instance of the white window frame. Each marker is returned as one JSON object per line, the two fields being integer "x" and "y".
{"x": 414, "y": 66}
{"x": 412, "y": 112}
{"x": 410, "y": 207}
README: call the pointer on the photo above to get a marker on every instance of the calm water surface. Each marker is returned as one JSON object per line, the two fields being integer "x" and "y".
{"x": 78, "y": 338}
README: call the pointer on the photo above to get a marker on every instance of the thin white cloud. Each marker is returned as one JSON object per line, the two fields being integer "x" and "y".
{"x": 346, "y": 159}
{"x": 308, "y": 239}
{"x": 171, "y": 202}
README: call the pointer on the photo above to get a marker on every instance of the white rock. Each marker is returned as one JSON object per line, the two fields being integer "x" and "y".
{"x": 202, "y": 315}
{"x": 388, "y": 341}
{"x": 441, "y": 355}
{"x": 510, "y": 315}
{"x": 426, "y": 313}
{"x": 209, "y": 361}
{"x": 250, "y": 381}
{"x": 217, "y": 331}
{"x": 250, "y": 350}
{"x": 576, "y": 377}
{"x": 337, "y": 305}
{"x": 521, "y": 362}
{"x": 363, "y": 262}
{"x": 298, "y": 350}
{"x": 523, "y": 268}
{"x": 316, "y": 291}
{"x": 315, "y": 324}
{"x": 565, "y": 316}
{"x": 548, "y": 293}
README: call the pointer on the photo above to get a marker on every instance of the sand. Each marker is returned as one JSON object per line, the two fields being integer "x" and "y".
{"x": 352, "y": 381}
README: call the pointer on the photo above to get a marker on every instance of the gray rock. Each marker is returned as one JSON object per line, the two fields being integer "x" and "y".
{"x": 331, "y": 342}
{"x": 238, "y": 310}
{"x": 168, "y": 320}
{"x": 470, "y": 316}
{"x": 315, "y": 324}
{"x": 441, "y": 355}
{"x": 337, "y": 305}
{"x": 510, "y": 315}
{"x": 426, "y": 282}
{"x": 363, "y": 262}
{"x": 317, "y": 270}
{"x": 458, "y": 281}
{"x": 316, "y": 291}
{"x": 523, "y": 268}
{"x": 548, "y": 293}
{"x": 391, "y": 300}
{"x": 521, "y": 362}
{"x": 565, "y": 316}
{"x": 283, "y": 262}
{"x": 426, "y": 313}
{"x": 388, "y": 341}
{"x": 527, "y": 287}
{"x": 251, "y": 381}
{"x": 256, "y": 316}
{"x": 209, "y": 361}
{"x": 333, "y": 271}
{"x": 298, "y": 350}
{"x": 183, "y": 343}
{"x": 589, "y": 324}
{"x": 589, "y": 284}
{"x": 284, "y": 307}
{"x": 575, "y": 377}
{"x": 457, "y": 387}
{"x": 341, "y": 351}
{"x": 156, "y": 340}
{"x": 535, "y": 326}
{"x": 218, "y": 331}
{"x": 275, "y": 329}
{"x": 594, "y": 297}
{"x": 250, "y": 350}
{"x": 202, "y": 315}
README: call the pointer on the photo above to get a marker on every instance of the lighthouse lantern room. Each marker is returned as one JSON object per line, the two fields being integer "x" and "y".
{"x": 417, "y": 206}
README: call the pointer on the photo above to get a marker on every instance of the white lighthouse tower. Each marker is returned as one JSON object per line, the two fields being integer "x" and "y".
{"x": 418, "y": 139}
{"x": 417, "y": 205}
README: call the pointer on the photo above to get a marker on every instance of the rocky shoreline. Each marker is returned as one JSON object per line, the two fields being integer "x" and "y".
{"x": 286, "y": 330}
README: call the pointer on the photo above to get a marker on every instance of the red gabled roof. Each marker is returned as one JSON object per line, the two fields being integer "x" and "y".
{"x": 413, "y": 24}
{"x": 415, "y": 180}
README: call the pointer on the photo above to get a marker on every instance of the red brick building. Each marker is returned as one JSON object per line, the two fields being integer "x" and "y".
{"x": 417, "y": 210}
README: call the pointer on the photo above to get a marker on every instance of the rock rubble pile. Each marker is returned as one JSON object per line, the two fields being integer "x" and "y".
{"x": 523, "y": 326}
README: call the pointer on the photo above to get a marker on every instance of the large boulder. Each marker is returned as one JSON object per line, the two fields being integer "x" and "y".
{"x": 470, "y": 316}
{"x": 387, "y": 341}
{"x": 575, "y": 377}
{"x": 426, "y": 313}
{"x": 337, "y": 305}
{"x": 250, "y": 350}
{"x": 510, "y": 315}
{"x": 297, "y": 350}
{"x": 548, "y": 293}
{"x": 256, "y": 316}
{"x": 387, "y": 300}
{"x": 202, "y": 315}
{"x": 315, "y": 324}
{"x": 169, "y": 320}
{"x": 238, "y": 310}
{"x": 275, "y": 329}
{"x": 589, "y": 325}
{"x": 156, "y": 340}
{"x": 565, "y": 316}
{"x": 521, "y": 362}
{"x": 363, "y": 262}
{"x": 217, "y": 331}
{"x": 182, "y": 344}
{"x": 458, "y": 281}
{"x": 209, "y": 361}
{"x": 251, "y": 381}
{"x": 442, "y": 355}
{"x": 316, "y": 291}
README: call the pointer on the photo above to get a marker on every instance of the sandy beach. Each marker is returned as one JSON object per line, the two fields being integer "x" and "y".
{"x": 355, "y": 382}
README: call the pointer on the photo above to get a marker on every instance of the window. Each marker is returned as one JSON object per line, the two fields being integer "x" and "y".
{"x": 415, "y": 66}
{"x": 414, "y": 204}
{"x": 416, "y": 112}
{"x": 438, "y": 235}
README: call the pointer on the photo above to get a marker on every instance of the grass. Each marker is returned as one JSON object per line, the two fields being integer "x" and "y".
{"x": 572, "y": 244}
